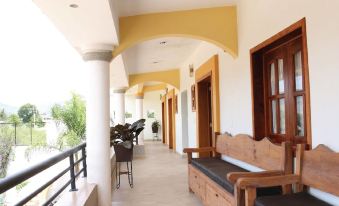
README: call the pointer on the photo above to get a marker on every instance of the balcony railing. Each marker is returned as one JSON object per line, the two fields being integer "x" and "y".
{"x": 15, "y": 179}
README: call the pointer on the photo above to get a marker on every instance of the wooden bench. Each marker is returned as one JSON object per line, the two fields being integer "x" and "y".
{"x": 317, "y": 168}
{"x": 207, "y": 176}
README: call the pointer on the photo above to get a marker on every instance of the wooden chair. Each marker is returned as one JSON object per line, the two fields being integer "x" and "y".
{"x": 317, "y": 168}
{"x": 274, "y": 159}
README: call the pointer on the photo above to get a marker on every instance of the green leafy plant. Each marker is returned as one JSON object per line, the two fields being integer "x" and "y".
{"x": 125, "y": 134}
{"x": 14, "y": 119}
{"x": 73, "y": 115}
{"x": 6, "y": 153}
{"x": 20, "y": 186}
{"x": 155, "y": 126}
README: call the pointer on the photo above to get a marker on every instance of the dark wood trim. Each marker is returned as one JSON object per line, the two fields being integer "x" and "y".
{"x": 299, "y": 24}
{"x": 171, "y": 97}
{"x": 293, "y": 32}
{"x": 164, "y": 124}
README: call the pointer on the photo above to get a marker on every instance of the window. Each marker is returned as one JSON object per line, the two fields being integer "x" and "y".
{"x": 280, "y": 88}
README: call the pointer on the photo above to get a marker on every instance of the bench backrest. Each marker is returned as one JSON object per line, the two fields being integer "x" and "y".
{"x": 318, "y": 168}
{"x": 263, "y": 154}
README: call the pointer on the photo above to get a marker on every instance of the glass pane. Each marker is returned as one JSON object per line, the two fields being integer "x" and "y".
{"x": 281, "y": 76}
{"x": 282, "y": 116}
{"x": 272, "y": 79}
{"x": 300, "y": 116}
{"x": 274, "y": 116}
{"x": 298, "y": 71}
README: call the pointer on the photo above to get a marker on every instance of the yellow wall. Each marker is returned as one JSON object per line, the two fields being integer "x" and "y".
{"x": 216, "y": 25}
{"x": 171, "y": 77}
{"x": 151, "y": 88}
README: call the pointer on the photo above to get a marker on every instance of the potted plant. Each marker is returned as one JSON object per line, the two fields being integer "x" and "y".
{"x": 155, "y": 126}
{"x": 122, "y": 138}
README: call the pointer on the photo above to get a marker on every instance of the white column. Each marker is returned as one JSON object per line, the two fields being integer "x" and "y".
{"x": 119, "y": 106}
{"x": 112, "y": 109}
{"x": 97, "y": 123}
{"x": 139, "y": 113}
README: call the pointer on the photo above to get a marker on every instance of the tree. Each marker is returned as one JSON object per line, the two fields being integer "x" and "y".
{"x": 27, "y": 112}
{"x": 73, "y": 115}
{"x": 3, "y": 115}
{"x": 14, "y": 119}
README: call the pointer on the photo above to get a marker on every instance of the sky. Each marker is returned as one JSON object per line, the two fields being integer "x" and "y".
{"x": 37, "y": 63}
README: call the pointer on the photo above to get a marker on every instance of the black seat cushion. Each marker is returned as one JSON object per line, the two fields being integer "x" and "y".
{"x": 297, "y": 199}
{"x": 217, "y": 169}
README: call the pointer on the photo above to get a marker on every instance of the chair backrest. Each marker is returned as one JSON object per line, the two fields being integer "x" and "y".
{"x": 263, "y": 154}
{"x": 318, "y": 168}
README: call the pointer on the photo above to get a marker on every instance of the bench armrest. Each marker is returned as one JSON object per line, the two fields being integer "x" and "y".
{"x": 234, "y": 176}
{"x": 251, "y": 183}
{"x": 189, "y": 151}
{"x": 271, "y": 181}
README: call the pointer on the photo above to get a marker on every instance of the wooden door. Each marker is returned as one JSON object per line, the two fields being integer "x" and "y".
{"x": 205, "y": 115}
{"x": 163, "y": 123}
{"x": 170, "y": 123}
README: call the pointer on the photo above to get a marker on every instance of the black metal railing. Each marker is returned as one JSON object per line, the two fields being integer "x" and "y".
{"x": 15, "y": 179}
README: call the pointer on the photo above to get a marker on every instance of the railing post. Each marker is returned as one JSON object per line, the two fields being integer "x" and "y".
{"x": 15, "y": 133}
{"x": 31, "y": 133}
{"x": 71, "y": 163}
{"x": 84, "y": 164}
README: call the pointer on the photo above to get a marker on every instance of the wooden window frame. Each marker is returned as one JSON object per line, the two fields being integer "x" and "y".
{"x": 260, "y": 120}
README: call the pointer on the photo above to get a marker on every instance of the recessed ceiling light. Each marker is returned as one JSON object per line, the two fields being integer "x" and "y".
{"x": 163, "y": 42}
{"x": 74, "y": 6}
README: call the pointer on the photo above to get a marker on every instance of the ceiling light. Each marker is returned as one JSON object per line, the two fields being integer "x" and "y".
{"x": 163, "y": 42}
{"x": 74, "y": 6}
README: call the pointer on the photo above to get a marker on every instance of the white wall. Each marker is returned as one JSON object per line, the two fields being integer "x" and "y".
{"x": 258, "y": 20}
{"x": 130, "y": 108}
{"x": 151, "y": 102}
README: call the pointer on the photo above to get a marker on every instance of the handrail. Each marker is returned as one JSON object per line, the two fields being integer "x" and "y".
{"x": 15, "y": 179}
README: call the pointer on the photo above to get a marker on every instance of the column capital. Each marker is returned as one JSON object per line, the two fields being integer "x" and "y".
{"x": 120, "y": 90}
{"x": 139, "y": 96}
{"x": 103, "y": 55}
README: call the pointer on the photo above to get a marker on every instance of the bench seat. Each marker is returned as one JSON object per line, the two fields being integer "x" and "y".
{"x": 217, "y": 169}
{"x": 296, "y": 199}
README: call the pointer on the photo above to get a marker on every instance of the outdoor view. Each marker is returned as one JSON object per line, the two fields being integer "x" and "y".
{"x": 42, "y": 102}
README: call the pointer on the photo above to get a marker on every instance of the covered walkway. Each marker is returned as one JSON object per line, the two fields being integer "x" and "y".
{"x": 160, "y": 178}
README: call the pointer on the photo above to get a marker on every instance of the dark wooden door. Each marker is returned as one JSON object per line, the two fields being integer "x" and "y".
{"x": 170, "y": 123}
{"x": 204, "y": 115}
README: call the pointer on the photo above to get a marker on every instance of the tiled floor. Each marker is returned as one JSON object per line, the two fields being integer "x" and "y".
{"x": 160, "y": 179}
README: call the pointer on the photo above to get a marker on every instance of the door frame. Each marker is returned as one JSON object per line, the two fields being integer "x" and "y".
{"x": 171, "y": 95}
{"x": 164, "y": 119}
{"x": 256, "y": 61}
{"x": 209, "y": 69}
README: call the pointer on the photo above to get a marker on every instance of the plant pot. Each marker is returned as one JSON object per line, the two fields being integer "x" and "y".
{"x": 123, "y": 154}
{"x": 155, "y": 129}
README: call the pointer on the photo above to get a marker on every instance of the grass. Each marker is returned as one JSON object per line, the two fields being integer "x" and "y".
{"x": 24, "y": 134}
